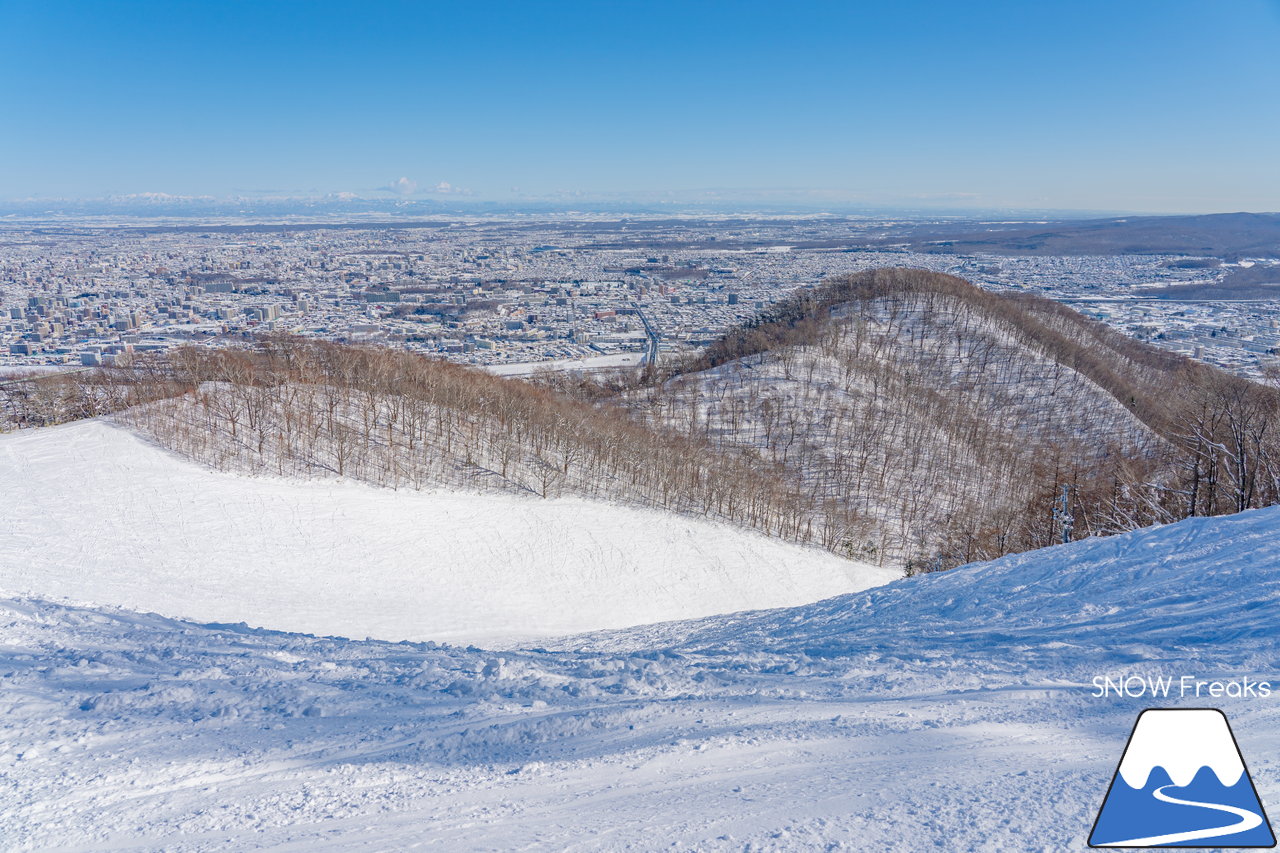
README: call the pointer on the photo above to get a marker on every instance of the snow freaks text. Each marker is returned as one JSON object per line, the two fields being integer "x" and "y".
{"x": 1135, "y": 686}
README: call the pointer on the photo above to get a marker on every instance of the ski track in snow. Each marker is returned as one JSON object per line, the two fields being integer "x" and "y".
{"x": 947, "y": 712}
{"x": 135, "y": 732}
{"x": 1245, "y": 820}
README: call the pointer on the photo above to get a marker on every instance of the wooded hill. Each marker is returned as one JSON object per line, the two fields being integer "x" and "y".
{"x": 951, "y": 419}
{"x": 895, "y": 416}
{"x": 303, "y": 408}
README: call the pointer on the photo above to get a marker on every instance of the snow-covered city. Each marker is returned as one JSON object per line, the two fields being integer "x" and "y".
{"x": 519, "y": 291}
{"x": 626, "y": 427}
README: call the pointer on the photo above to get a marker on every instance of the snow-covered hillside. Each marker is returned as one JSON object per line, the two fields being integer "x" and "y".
{"x": 946, "y": 712}
{"x": 1199, "y": 582}
{"x": 94, "y": 514}
{"x": 926, "y": 412}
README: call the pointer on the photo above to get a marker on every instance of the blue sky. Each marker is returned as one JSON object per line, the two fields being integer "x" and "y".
{"x": 1143, "y": 105}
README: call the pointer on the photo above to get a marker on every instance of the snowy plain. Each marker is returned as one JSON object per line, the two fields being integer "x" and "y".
{"x": 947, "y": 712}
{"x": 97, "y": 515}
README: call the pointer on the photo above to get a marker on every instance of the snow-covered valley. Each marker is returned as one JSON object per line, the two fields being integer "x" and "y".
{"x": 950, "y": 712}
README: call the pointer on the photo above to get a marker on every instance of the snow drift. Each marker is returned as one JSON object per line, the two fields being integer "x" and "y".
{"x": 1200, "y": 582}
{"x": 947, "y": 712}
{"x": 97, "y": 515}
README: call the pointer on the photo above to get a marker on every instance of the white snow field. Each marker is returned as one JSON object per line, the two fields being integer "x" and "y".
{"x": 948, "y": 712}
{"x": 95, "y": 514}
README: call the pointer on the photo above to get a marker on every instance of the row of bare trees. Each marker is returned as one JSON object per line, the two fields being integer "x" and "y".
{"x": 46, "y": 399}
{"x": 299, "y": 407}
{"x": 1227, "y": 445}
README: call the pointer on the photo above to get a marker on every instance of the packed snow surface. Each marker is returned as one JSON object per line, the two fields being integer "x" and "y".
{"x": 97, "y": 515}
{"x": 948, "y": 712}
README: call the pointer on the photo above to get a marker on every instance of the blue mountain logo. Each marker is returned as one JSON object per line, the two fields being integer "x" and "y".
{"x": 1182, "y": 783}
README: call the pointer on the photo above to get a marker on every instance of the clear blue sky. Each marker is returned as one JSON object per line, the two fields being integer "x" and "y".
{"x": 1159, "y": 105}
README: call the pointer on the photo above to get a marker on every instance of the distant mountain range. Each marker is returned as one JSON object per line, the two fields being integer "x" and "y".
{"x": 1222, "y": 235}
{"x": 1229, "y": 236}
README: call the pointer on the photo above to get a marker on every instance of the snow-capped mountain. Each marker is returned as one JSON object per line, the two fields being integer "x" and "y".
{"x": 1181, "y": 744}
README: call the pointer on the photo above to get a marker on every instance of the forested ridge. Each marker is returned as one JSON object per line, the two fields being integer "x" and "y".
{"x": 961, "y": 424}
{"x": 896, "y": 416}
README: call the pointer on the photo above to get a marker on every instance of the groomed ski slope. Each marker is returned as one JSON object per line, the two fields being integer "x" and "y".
{"x": 948, "y": 712}
{"x": 95, "y": 514}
